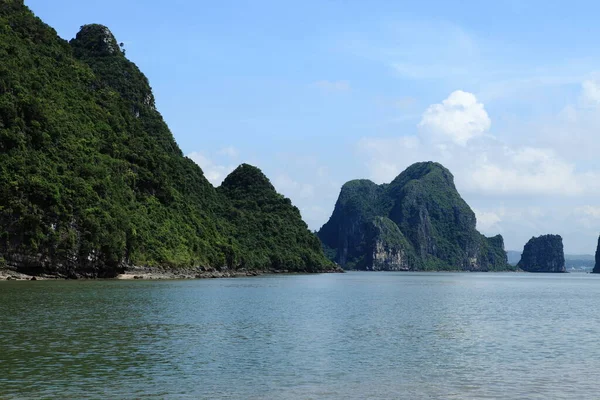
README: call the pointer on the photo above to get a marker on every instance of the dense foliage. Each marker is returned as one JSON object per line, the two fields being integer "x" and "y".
{"x": 355, "y": 209}
{"x": 543, "y": 254}
{"x": 268, "y": 223}
{"x": 436, "y": 227}
{"x": 91, "y": 177}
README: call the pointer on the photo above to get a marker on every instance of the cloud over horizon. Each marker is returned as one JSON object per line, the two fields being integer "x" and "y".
{"x": 456, "y": 133}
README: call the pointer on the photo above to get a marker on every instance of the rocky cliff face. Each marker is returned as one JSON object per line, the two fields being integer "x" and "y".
{"x": 543, "y": 254}
{"x": 391, "y": 251}
{"x": 597, "y": 266}
{"x": 346, "y": 234}
{"x": 418, "y": 221}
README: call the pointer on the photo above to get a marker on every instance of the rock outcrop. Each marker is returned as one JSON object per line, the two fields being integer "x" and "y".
{"x": 543, "y": 254}
{"x": 417, "y": 222}
{"x": 391, "y": 251}
{"x": 597, "y": 266}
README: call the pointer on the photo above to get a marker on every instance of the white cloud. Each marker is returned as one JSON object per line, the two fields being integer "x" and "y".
{"x": 213, "y": 171}
{"x": 519, "y": 222}
{"x": 545, "y": 185}
{"x": 487, "y": 167}
{"x": 333, "y": 86}
{"x": 487, "y": 221}
{"x": 524, "y": 171}
{"x": 308, "y": 183}
{"x": 481, "y": 163}
{"x": 571, "y": 132}
{"x": 386, "y": 157}
{"x": 229, "y": 151}
{"x": 589, "y": 211}
{"x": 587, "y": 217}
{"x": 293, "y": 189}
{"x": 458, "y": 118}
{"x": 303, "y": 179}
{"x": 591, "y": 91}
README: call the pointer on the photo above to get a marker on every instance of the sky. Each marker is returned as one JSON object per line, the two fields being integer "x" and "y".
{"x": 505, "y": 94}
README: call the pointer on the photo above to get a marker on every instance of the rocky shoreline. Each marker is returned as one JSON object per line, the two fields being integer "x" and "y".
{"x": 161, "y": 273}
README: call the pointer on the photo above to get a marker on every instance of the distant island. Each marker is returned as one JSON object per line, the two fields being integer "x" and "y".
{"x": 417, "y": 222}
{"x": 573, "y": 262}
{"x": 543, "y": 254}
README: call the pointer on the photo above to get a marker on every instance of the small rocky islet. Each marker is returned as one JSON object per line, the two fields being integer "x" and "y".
{"x": 597, "y": 259}
{"x": 543, "y": 254}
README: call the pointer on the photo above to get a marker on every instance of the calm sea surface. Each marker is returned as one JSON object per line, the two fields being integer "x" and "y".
{"x": 341, "y": 336}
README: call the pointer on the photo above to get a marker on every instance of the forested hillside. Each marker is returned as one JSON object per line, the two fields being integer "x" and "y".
{"x": 92, "y": 180}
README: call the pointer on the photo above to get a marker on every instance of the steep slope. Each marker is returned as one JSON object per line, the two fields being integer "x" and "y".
{"x": 389, "y": 250}
{"x": 597, "y": 266}
{"x": 543, "y": 254}
{"x": 346, "y": 231}
{"x": 434, "y": 227}
{"x": 92, "y": 180}
{"x": 268, "y": 224}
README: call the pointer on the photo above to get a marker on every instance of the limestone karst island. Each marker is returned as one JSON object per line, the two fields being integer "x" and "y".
{"x": 393, "y": 200}
{"x": 94, "y": 185}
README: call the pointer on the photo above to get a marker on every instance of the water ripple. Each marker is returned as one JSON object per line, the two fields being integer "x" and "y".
{"x": 350, "y": 336}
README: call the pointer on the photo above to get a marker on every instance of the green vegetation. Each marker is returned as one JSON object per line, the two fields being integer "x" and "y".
{"x": 268, "y": 223}
{"x": 435, "y": 228}
{"x": 543, "y": 254}
{"x": 355, "y": 209}
{"x": 92, "y": 179}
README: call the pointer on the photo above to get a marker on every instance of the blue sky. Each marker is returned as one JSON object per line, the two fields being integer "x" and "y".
{"x": 506, "y": 94}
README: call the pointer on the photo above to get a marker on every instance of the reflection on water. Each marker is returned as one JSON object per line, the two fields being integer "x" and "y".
{"x": 352, "y": 336}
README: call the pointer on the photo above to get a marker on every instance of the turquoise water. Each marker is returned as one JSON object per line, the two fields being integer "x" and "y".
{"x": 343, "y": 336}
